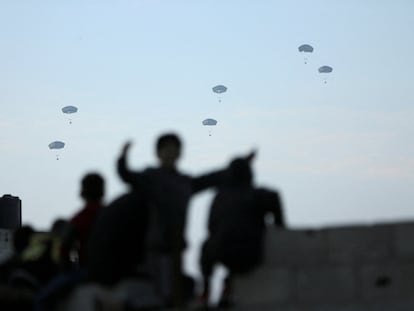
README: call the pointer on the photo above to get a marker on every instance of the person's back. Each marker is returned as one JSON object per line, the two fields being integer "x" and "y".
{"x": 236, "y": 227}
{"x": 237, "y": 224}
{"x": 118, "y": 241}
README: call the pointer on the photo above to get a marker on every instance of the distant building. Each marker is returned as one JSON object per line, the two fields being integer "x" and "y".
{"x": 10, "y": 220}
{"x": 6, "y": 243}
{"x": 10, "y": 212}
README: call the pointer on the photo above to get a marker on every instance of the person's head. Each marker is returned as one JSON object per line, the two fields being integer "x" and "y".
{"x": 92, "y": 187}
{"x": 168, "y": 149}
{"x": 59, "y": 227}
{"x": 21, "y": 237}
{"x": 241, "y": 172}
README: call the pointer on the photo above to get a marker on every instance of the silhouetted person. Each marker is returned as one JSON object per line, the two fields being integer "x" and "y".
{"x": 17, "y": 295}
{"x": 80, "y": 225}
{"x": 59, "y": 227}
{"x": 237, "y": 225}
{"x": 116, "y": 247}
{"x": 169, "y": 192}
{"x": 73, "y": 237}
{"x": 36, "y": 263}
{"x": 21, "y": 238}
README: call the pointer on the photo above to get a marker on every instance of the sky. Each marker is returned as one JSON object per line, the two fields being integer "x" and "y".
{"x": 339, "y": 152}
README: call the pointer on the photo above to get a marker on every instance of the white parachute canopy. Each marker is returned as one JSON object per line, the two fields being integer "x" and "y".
{"x": 57, "y": 145}
{"x": 219, "y": 89}
{"x": 69, "y": 109}
{"x": 305, "y": 48}
{"x": 325, "y": 70}
{"x": 209, "y": 122}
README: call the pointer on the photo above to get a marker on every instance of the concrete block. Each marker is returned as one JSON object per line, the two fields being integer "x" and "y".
{"x": 404, "y": 246}
{"x": 385, "y": 282}
{"x": 360, "y": 244}
{"x": 295, "y": 247}
{"x": 266, "y": 286}
{"x": 318, "y": 285}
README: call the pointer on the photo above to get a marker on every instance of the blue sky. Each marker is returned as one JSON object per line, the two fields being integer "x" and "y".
{"x": 339, "y": 152}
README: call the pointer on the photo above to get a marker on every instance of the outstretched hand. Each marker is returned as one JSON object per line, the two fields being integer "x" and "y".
{"x": 250, "y": 156}
{"x": 125, "y": 148}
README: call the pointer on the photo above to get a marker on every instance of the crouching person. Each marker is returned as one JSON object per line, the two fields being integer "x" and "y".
{"x": 237, "y": 227}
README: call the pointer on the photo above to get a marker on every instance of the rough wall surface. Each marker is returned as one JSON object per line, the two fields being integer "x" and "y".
{"x": 348, "y": 268}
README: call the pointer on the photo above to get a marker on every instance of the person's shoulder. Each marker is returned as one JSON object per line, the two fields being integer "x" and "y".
{"x": 266, "y": 194}
{"x": 170, "y": 172}
{"x": 266, "y": 191}
{"x": 151, "y": 170}
{"x": 79, "y": 216}
{"x": 184, "y": 175}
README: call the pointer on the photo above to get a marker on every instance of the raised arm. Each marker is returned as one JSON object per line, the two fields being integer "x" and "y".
{"x": 124, "y": 173}
{"x": 214, "y": 179}
{"x": 220, "y": 177}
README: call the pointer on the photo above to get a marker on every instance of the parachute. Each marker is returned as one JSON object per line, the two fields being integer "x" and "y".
{"x": 325, "y": 69}
{"x": 306, "y": 48}
{"x": 209, "y": 122}
{"x": 57, "y": 145}
{"x": 219, "y": 89}
{"x": 69, "y": 110}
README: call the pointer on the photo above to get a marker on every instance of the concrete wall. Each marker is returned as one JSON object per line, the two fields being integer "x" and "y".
{"x": 348, "y": 268}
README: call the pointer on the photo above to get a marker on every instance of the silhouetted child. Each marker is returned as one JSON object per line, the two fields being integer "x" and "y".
{"x": 80, "y": 225}
{"x": 169, "y": 192}
{"x": 73, "y": 237}
{"x": 237, "y": 226}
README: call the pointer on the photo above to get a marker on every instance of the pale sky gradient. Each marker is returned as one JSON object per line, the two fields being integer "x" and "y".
{"x": 339, "y": 152}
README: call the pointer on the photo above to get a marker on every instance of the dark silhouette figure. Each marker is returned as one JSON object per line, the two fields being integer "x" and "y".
{"x": 168, "y": 192}
{"x": 73, "y": 237}
{"x": 21, "y": 239}
{"x": 117, "y": 243}
{"x": 34, "y": 263}
{"x": 80, "y": 225}
{"x": 17, "y": 287}
{"x": 237, "y": 226}
{"x": 59, "y": 227}
{"x": 118, "y": 252}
